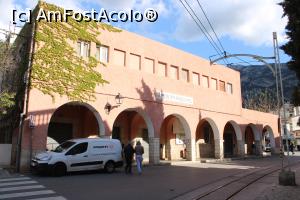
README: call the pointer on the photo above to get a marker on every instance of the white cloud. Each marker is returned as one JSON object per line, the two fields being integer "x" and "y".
{"x": 6, "y": 8}
{"x": 6, "y": 16}
{"x": 250, "y": 21}
{"x": 140, "y": 5}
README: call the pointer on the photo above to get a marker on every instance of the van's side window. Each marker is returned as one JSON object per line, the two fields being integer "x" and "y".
{"x": 78, "y": 149}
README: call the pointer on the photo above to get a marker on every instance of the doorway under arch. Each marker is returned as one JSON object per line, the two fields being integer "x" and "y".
{"x": 73, "y": 120}
{"x": 205, "y": 140}
{"x": 268, "y": 139}
{"x": 249, "y": 141}
{"x": 230, "y": 141}
{"x": 131, "y": 126}
{"x": 173, "y": 134}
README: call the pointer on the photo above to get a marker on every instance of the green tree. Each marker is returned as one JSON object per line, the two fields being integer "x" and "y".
{"x": 263, "y": 100}
{"x": 6, "y": 102}
{"x": 57, "y": 69}
{"x": 292, "y": 47}
{"x": 6, "y": 96}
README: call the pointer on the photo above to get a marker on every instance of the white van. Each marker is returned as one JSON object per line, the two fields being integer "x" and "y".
{"x": 80, "y": 154}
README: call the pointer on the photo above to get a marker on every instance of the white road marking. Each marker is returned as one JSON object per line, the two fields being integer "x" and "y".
{"x": 25, "y": 194}
{"x": 50, "y": 198}
{"x": 14, "y": 179}
{"x": 27, "y": 187}
{"x": 17, "y": 183}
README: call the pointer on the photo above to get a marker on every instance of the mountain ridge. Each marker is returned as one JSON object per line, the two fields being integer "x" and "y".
{"x": 264, "y": 79}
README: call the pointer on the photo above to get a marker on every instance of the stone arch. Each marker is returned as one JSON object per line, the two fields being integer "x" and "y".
{"x": 268, "y": 129}
{"x": 63, "y": 117}
{"x": 185, "y": 124}
{"x": 232, "y": 139}
{"x": 132, "y": 125}
{"x": 173, "y": 144}
{"x": 255, "y": 131}
{"x": 206, "y": 134}
{"x": 146, "y": 118}
{"x": 252, "y": 140}
{"x": 237, "y": 129}
{"x": 214, "y": 127}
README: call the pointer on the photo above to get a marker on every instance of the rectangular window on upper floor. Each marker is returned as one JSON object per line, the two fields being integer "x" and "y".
{"x": 222, "y": 86}
{"x": 174, "y": 72}
{"x": 214, "y": 84}
{"x": 229, "y": 88}
{"x": 148, "y": 65}
{"x": 134, "y": 61}
{"x": 185, "y": 75}
{"x": 196, "y": 78}
{"x": 83, "y": 49}
{"x": 102, "y": 53}
{"x": 162, "y": 69}
{"x": 119, "y": 57}
{"x": 205, "y": 81}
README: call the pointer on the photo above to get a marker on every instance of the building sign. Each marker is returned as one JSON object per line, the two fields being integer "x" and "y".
{"x": 165, "y": 96}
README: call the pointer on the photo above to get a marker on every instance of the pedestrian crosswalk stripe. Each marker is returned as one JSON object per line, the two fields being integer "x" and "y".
{"x": 27, "y": 187}
{"x": 17, "y": 183}
{"x": 50, "y": 198}
{"x": 14, "y": 179}
{"x": 25, "y": 194}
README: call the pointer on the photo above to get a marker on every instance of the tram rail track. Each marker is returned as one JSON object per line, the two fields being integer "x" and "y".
{"x": 228, "y": 187}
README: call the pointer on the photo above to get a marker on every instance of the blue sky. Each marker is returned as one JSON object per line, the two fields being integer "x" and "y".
{"x": 243, "y": 26}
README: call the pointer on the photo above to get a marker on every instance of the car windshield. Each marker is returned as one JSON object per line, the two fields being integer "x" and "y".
{"x": 64, "y": 146}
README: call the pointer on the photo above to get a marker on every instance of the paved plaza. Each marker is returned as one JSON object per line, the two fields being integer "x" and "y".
{"x": 167, "y": 181}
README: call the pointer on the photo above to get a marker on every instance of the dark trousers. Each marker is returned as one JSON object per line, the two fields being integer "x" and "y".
{"x": 128, "y": 165}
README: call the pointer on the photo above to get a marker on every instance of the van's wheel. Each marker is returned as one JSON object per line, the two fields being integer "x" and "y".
{"x": 109, "y": 167}
{"x": 59, "y": 169}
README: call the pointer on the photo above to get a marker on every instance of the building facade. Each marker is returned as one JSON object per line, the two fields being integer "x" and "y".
{"x": 294, "y": 126}
{"x": 175, "y": 103}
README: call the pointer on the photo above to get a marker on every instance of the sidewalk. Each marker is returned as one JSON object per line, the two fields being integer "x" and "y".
{"x": 278, "y": 192}
{"x": 4, "y": 173}
{"x": 268, "y": 188}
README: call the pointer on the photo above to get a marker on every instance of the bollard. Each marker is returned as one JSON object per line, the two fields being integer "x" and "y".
{"x": 287, "y": 178}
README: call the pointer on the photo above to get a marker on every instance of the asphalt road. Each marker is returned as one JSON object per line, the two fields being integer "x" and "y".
{"x": 156, "y": 182}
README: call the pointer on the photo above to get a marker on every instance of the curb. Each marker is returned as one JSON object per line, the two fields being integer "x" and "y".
{"x": 4, "y": 173}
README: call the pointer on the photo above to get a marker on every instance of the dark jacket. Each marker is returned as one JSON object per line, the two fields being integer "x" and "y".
{"x": 139, "y": 150}
{"x": 128, "y": 151}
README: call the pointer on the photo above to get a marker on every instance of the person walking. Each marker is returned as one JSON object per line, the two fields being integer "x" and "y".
{"x": 128, "y": 153}
{"x": 292, "y": 147}
{"x": 139, "y": 151}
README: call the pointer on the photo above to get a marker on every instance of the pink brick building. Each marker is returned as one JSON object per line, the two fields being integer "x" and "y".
{"x": 175, "y": 103}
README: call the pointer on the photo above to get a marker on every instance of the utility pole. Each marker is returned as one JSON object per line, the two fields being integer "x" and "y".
{"x": 285, "y": 177}
{"x": 282, "y": 119}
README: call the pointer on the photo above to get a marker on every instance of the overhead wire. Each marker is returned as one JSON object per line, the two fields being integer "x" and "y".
{"x": 202, "y": 28}
{"x": 217, "y": 37}
{"x": 210, "y": 24}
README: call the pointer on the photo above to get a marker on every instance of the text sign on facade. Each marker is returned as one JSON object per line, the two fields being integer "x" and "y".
{"x": 165, "y": 96}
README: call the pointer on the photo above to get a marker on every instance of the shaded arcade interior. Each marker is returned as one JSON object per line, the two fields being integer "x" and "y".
{"x": 230, "y": 141}
{"x": 172, "y": 139}
{"x": 130, "y": 126}
{"x": 205, "y": 143}
{"x": 249, "y": 141}
{"x": 71, "y": 121}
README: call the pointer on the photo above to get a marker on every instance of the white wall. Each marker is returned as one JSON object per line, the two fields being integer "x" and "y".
{"x": 294, "y": 123}
{"x": 5, "y": 154}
